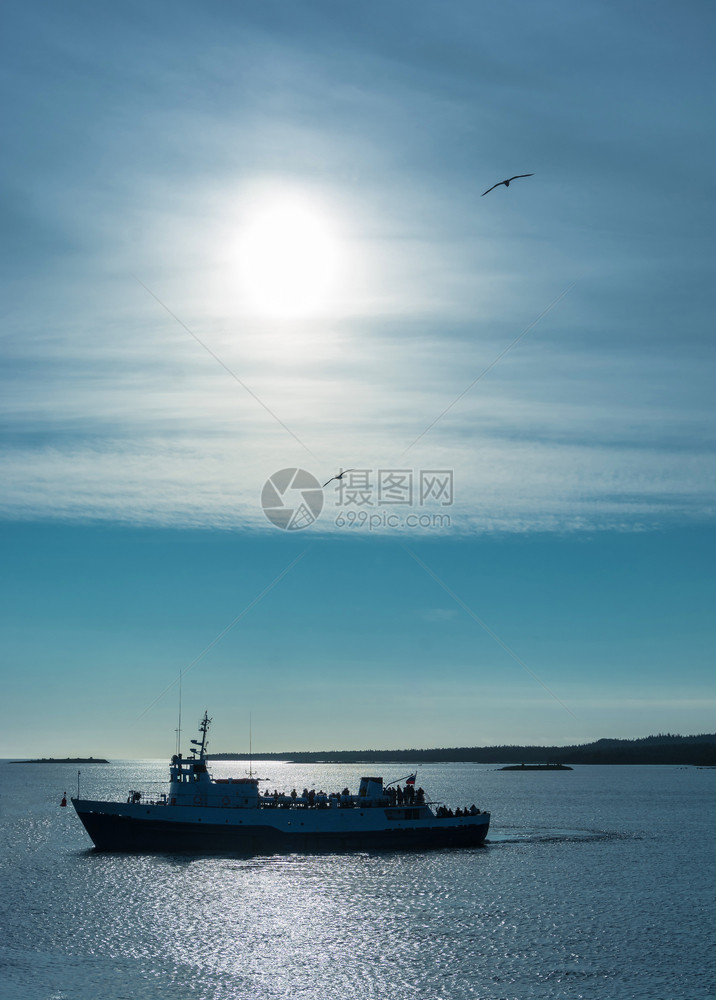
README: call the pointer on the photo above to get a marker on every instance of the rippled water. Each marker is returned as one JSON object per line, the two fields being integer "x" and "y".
{"x": 595, "y": 883}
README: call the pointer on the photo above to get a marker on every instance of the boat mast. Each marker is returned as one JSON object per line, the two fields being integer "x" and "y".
{"x": 250, "y": 753}
{"x": 179, "y": 726}
{"x": 203, "y": 742}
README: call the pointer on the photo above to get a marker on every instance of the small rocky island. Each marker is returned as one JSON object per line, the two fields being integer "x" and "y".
{"x": 536, "y": 767}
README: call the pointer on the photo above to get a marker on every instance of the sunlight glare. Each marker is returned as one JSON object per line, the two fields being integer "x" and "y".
{"x": 288, "y": 260}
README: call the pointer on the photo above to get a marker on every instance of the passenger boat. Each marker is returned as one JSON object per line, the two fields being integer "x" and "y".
{"x": 204, "y": 815}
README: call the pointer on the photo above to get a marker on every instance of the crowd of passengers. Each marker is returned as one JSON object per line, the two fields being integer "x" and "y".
{"x": 444, "y": 811}
{"x": 393, "y": 795}
{"x": 408, "y": 796}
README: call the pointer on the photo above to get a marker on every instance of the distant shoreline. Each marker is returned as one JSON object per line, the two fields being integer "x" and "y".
{"x": 699, "y": 751}
{"x": 696, "y": 751}
{"x": 62, "y": 760}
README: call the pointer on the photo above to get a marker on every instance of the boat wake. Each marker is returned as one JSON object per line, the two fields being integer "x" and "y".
{"x": 542, "y": 835}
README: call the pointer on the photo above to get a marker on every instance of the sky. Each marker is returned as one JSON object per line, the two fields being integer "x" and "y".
{"x": 245, "y": 250}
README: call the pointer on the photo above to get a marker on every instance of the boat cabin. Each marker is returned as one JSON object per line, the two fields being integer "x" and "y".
{"x": 371, "y": 792}
{"x": 190, "y": 784}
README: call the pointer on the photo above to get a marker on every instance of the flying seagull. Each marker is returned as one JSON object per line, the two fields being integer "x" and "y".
{"x": 506, "y": 183}
{"x": 339, "y": 476}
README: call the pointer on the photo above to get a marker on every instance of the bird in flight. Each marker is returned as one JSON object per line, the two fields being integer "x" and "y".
{"x": 506, "y": 183}
{"x": 339, "y": 476}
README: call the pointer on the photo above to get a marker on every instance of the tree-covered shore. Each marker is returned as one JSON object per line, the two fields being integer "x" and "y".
{"x": 661, "y": 749}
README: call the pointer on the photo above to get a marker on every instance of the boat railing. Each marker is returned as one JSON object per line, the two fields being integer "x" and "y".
{"x": 312, "y": 802}
{"x": 283, "y": 802}
{"x": 330, "y": 802}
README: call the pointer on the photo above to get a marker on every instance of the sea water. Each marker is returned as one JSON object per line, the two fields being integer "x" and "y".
{"x": 595, "y": 883}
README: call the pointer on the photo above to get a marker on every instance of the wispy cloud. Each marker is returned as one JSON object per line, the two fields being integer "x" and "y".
{"x": 600, "y": 416}
{"x": 137, "y": 429}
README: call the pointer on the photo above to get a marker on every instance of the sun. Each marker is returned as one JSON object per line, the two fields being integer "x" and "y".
{"x": 289, "y": 259}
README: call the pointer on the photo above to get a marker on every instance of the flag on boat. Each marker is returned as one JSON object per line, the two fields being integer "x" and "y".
{"x": 410, "y": 780}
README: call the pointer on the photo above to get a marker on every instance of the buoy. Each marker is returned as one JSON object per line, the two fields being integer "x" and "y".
{"x": 64, "y": 800}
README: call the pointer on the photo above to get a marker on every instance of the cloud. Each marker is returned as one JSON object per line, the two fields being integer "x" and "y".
{"x": 599, "y": 416}
{"x": 115, "y": 411}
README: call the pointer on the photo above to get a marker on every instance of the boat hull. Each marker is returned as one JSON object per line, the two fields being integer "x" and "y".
{"x": 117, "y": 832}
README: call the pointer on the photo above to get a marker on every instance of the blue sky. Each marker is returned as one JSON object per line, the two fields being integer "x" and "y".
{"x": 252, "y": 237}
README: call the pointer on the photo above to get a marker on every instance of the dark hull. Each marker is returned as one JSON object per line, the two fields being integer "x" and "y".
{"x": 127, "y": 835}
